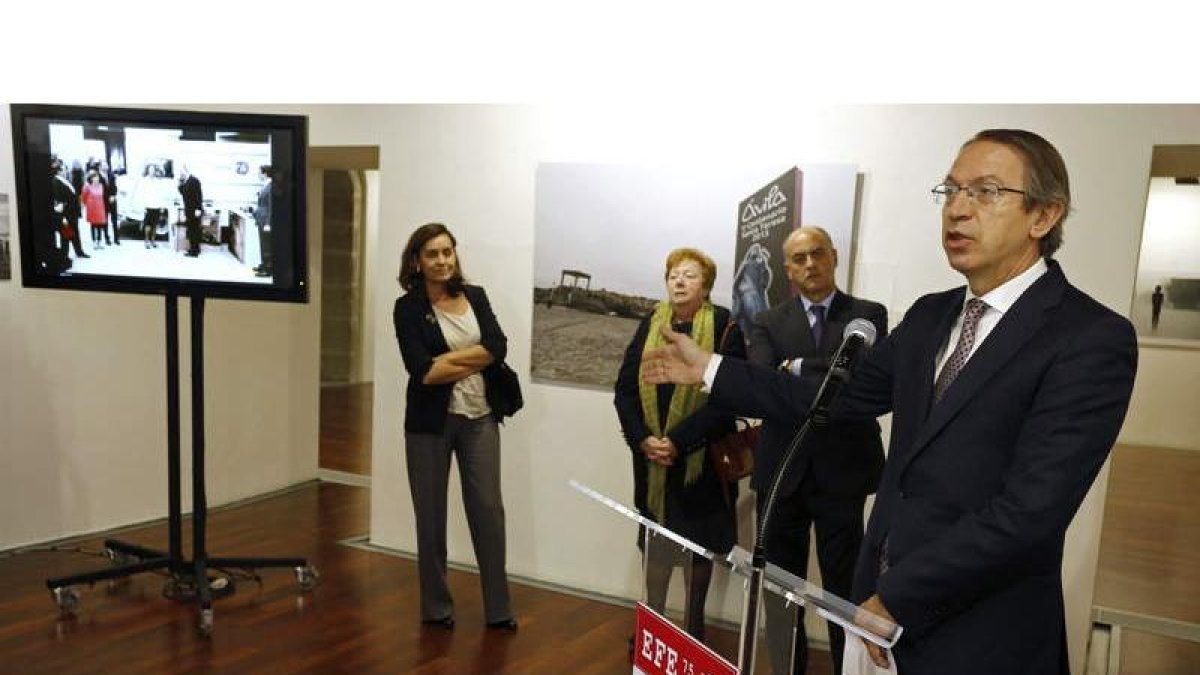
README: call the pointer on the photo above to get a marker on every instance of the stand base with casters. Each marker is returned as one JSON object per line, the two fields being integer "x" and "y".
{"x": 187, "y": 580}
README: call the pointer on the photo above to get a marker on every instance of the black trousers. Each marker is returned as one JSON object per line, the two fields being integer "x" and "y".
{"x": 114, "y": 219}
{"x": 267, "y": 253}
{"x": 66, "y": 243}
{"x": 53, "y": 257}
{"x": 150, "y": 224}
{"x": 193, "y": 234}
{"x": 838, "y": 523}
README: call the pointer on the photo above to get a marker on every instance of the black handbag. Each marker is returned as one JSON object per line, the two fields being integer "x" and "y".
{"x": 504, "y": 392}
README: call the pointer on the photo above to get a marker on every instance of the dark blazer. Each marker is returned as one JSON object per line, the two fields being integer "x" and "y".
{"x": 846, "y": 462}
{"x": 110, "y": 189}
{"x": 193, "y": 196}
{"x": 421, "y": 339}
{"x": 61, "y": 193}
{"x": 979, "y": 489}
{"x": 262, "y": 212}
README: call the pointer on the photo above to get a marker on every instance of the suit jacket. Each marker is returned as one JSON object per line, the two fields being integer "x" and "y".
{"x": 421, "y": 339}
{"x": 847, "y": 461}
{"x": 262, "y": 213}
{"x": 61, "y": 193}
{"x": 193, "y": 196}
{"x": 978, "y": 489}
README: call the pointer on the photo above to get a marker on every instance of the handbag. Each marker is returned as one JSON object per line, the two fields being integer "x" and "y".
{"x": 733, "y": 454}
{"x": 504, "y": 392}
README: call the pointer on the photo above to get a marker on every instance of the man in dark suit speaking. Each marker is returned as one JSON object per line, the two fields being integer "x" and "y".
{"x": 1006, "y": 395}
{"x": 828, "y": 482}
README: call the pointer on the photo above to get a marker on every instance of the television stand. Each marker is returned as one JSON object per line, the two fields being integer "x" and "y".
{"x": 187, "y": 580}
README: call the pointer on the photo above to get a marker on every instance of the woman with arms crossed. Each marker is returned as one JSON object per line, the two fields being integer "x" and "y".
{"x": 449, "y": 341}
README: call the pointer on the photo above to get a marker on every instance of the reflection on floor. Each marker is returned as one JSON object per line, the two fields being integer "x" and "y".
{"x": 166, "y": 260}
{"x": 346, "y": 428}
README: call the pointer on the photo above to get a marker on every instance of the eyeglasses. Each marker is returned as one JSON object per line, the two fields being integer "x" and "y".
{"x": 687, "y": 275}
{"x": 985, "y": 194}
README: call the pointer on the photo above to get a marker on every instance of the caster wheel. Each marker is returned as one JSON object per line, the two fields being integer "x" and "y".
{"x": 308, "y": 577}
{"x": 170, "y": 589}
{"x": 116, "y": 558}
{"x": 221, "y": 587}
{"x": 206, "y": 622}
{"x": 66, "y": 598}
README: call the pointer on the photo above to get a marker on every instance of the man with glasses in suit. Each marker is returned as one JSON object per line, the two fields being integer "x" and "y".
{"x": 1006, "y": 396}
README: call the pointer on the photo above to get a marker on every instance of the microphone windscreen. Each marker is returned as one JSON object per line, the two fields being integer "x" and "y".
{"x": 864, "y": 328}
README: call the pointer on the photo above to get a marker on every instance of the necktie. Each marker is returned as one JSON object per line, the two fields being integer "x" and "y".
{"x": 966, "y": 340}
{"x": 818, "y": 325}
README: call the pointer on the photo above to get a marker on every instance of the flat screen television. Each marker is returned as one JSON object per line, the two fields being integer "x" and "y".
{"x": 161, "y": 201}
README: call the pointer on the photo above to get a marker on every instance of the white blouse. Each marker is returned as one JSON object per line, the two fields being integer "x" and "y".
{"x": 469, "y": 396}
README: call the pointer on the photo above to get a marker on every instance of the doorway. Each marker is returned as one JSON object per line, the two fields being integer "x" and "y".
{"x": 349, "y": 218}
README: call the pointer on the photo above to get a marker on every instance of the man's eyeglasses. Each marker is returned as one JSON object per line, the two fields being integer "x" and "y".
{"x": 981, "y": 193}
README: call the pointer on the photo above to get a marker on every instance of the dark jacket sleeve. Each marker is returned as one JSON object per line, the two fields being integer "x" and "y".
{"x": 492, "y": 338}
{"x": 690, "y": 435}
{"x": 817, "y": 366}
{"x": 758, "y": 391}
{"x": 760, "y": 350}
{"x": 626, "y": 396}
{"x": 408, "y": 315}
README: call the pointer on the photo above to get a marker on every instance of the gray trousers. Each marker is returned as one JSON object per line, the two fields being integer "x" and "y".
{"x": 476, "y": 444}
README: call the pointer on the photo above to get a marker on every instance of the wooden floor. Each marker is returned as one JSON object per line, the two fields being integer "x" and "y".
{"x": 363, "y": 617}
{"x": 346, "y": 428}
{"x": 1150, "y": 553}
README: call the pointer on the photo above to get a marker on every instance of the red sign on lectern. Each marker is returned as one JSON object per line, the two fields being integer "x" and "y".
{"x": 661, "y": 648}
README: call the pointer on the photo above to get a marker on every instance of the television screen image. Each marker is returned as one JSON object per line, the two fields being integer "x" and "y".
{"x": 157, "y": 201}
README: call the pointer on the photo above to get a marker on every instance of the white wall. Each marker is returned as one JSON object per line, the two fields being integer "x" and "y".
{"x": 473, "y": 167}
{"x": 82, "y": 391}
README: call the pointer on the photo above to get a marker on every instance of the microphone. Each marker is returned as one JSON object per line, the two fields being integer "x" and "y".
{"x": 858, "y": 337}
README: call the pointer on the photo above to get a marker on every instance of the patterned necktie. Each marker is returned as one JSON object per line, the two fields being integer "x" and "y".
{"x": 966, "y": 340}
{"x": 818, "y": 325}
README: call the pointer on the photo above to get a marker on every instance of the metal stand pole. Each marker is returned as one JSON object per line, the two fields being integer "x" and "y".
{"x": 185, "y": 577}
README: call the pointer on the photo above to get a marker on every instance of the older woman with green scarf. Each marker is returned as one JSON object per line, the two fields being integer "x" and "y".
{"x": 668, "y": 428}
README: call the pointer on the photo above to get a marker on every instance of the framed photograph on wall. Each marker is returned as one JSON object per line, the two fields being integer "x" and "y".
{"x": 602, "y": 233}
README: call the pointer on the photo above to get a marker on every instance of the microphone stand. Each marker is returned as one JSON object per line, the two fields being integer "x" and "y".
{"x": 818, "y": 416}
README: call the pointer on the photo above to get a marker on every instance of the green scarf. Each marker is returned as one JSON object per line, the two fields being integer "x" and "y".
{"x": 686, "y": 400}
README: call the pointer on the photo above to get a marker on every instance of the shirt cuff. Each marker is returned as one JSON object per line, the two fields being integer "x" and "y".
{"x": 710, "y": 373}
{"x": 794, "y": 367}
